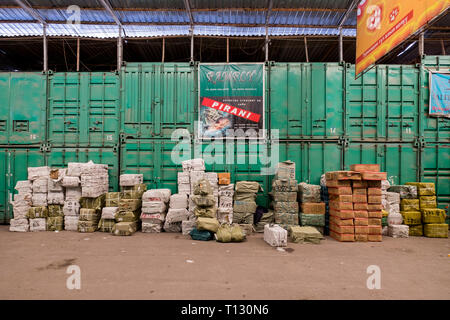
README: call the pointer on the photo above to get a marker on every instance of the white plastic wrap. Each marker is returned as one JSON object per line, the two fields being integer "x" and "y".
{"x": 275, "y": 235}
{"x": 153, "y": 207}
{"x": 39, "y": 199}
{"x": 187, "y": 226}
{"x": 153, "y": 217}
{"x": 196, "y": 176}
{"x": 151, "y": 227}
{"x": 184, "y": 188}
{"x": 157, "y": 195}
{"x": 177, "y": 215}
{"x": 129, "y": 180}
{"x": 71, "y": 208}
{"x": 178, "y": 201}
{"x": 109, "y": 212}
{"x": 225, "y": 215}
{"x": 73, "y": 194}
{"x": 38, "y": 224}
{"x": 74, "y": 169}
{"x": 19, "y": 225}
{"x": 40, "y": 185}
{"x": 225, "y": 202}
{"x": 183, "y": 178}
{"x": 226, "y": 190}
{"x": 71, "y": 181}
{"x": 38, "y": 172}
{"x": 71, "y": 223}
{"x": 55, "y": 198}
{"x": 24, "y": 187}
{"x": 398, "y": 231}
{"x": 193, "y": 164}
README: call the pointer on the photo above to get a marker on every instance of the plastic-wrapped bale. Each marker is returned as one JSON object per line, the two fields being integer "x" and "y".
{"x": 226, "y": 190}
{"x": 177, "y": 215}
{"x": 172, "y": 227}
{"x": 37, "y": 212}
{"x": 157, "y": 195}
{"x": 248, "y": 187}
{"x": 24, "y": 187}
{"x": 286, "y": 218}
{"x": 55, "y": 210}
{"x": 286, "y": 207}
{"x": 225, "y": 215}
{"x": 226, "y": 202}
{"x": 285, "y": 170}
{"x": 229, "y": 233}
{"x": 124, "y": 228}
{"x": 435, "y": 230}
{"x": 275, "y": 235}
{"x": 112, "y": 199}
{"x": 398, "y": 231}
{"x": 433, "y": 215}
{"x": 316, "y": 220}
{"x": 424, "y": 188}
{"x": 404, "y": 191}
{"x": 184, "y": 182}
{"x": 55, "y": 198}
{"x": 313, "y": 207}
{"x": 71, "y": 223}
{"x": 427, "y": 202}
{"x": 308, "y": 192}
{"x": 90, "y": 215}
{"x": 178, "y": 201}
{"x": 21, "y": 204}
{"x": 55, "y": 185}
{"x": 284, "y": 185}
{"x": 130, "y": 204}
{"x": 152, "y": 223}
{"x": 153, "y": 207}
{"x": 151, "y": 227}
{"x": 74, "y": 169}
{"x": 40, "y": 185}
{"x": 208, "y": 212}
{"x": 87, "y": 226}
{"x": 244, "y": 207}
{"x": 416, "y": 230}
{"x": 410, "y": 205}
{"x": 128, "y": 180}
{"x": 19, "y": 225}
{"x": 109, "y": 212}
{"x": 73, "y": 193}
{"x": 213, "y": 179}
{"x": 195, "y": 177}
{"x": 284, "y": 196}
{"x": 39, "y": 199}
{"x": 246, "y": 228}
{"x": 133, "y": 192}
{"x": 71, "y": 182}
{"x": 266, "y": 218}
{"x": 127, "y": 216}
{"x": 93, "y": 203}
{"x": 193, "y": 165}
{"x": 243, "y": 217}
{"x": 94, "y": 180}
{"x": 209, "y": 224}
{"x": 38, "y": 224}
{"x": 202, "y": 187}
{"x": 304, "y": 235}
{"x": 106, "y": 225}
{"x": 55, "y": 223}
{"x": 35, "y": 173}
{"x": 411, "y": 217}
{"x": 187, "y": 226}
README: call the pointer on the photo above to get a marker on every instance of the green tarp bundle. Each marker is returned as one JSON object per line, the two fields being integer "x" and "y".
{"x": 208, "y": 224}
{"x": 203, "y": 200}
{"x": 229, "y": 233}
{"x": 416, "y": 230}
{"x": 87, "y": 226}
{"x": 435, "y": 230}
{"x": 317, "y": 220}
{"x": 244, "y": 196}
{"x": 304, "y": 234}
{"x": 244, "y": 206}
{"x": 247, "y": 187}
{"x": 55, "y": 223}
{"x": 93, "y": 203}
{"x": 201, "y": 235}
{"x": 129, "y": 204}
{"x": 90, "y": 215}
{"x": 112, "y": 199}
{"x": 203, "y": 187}
{"x": 55, "y": 210}
{"x": 127, "y": 216}
{"x": 243, "y": 217}
{"x": 37, "y": 212}
{"x": 106, "y": 225}
{"x": 284, "y": 185}
{"x": 286, "y": 218}
{"x": 205, "y": 212}
{"x": 124, "y": 228}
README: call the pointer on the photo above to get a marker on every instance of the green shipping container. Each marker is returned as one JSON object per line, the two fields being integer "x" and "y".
{"x": 84, "y": 109}
{"x": 22, "y": 108}
{"x": 14, "y": 163}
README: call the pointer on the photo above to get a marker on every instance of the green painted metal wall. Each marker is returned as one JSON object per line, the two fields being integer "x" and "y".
{"x": 326, "y": 120}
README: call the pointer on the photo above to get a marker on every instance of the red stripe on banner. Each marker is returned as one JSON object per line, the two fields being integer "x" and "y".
{"x": 238, "y": 112}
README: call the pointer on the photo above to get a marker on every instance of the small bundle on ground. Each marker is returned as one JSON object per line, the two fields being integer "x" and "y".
{"x": 305, "y": 234}
{"x": 275, "y": 235}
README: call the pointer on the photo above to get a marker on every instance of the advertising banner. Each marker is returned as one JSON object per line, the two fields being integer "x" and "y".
{"x": 439, "y": 94}
{"x": 231, "y": 100}
{"x": 383, "y": 24}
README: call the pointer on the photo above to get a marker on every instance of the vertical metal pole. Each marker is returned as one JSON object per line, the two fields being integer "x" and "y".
{"x": 228, "y": 50}
{"x": 192, "y": 45}
{"x": 163, "y": 49}
{"x": 442, "y": 47}
{"x": 119, "y": 49}
{"x": 306, "y": 49}
{"x": 421, "y": 44}
{"x": 267, "y": 44}
{"x": 78, "y": 54}
{"x": 341, "y": 49}
{"x": 44, "y": 29}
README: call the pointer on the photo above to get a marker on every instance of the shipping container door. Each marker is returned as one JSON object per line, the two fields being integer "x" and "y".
{"x": 84, "y": 109}
{"x": 22, "y": 108}
{"x": 157, "y": 99}
{"x": 14, "y": 165}
{"x": 60, "y": 157}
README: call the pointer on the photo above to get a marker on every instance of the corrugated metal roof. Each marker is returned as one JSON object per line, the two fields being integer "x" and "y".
{"x": 286, "y": 31}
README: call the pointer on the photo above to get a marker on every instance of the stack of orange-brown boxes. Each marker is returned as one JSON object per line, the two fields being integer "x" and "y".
{"x": 367, "y": 202}
{"x": 339, "y": 183}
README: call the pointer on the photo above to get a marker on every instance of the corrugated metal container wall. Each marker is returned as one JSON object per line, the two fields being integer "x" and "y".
{"x": 84, "y": 109}
{"x": 158, "y": 98}
{"x": 14, "y": 163}
{"x": 22, "y": 108}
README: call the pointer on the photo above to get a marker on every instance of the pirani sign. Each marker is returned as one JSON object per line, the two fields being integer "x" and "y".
{"x": 384, "y": 24}
{"x": 231, "y": 100}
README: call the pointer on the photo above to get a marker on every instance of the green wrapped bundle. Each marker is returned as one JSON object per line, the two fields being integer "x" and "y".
{"x": 284, "y": 185}
{"x": 208, "y": 224}
{"x": 244, "y": 206}
{"x": 424, "y": 188}
{"x": 384, "y": 222}
{"x": 90, "y": 215}
{"x": 55, "y": 223}
{"x": 248, "y": 187}
{"x": 286, "y": 218}
{"x": 205, "y": 212}
{"x": 37, "y": 212}
{"x": 93, "y": 203}
{"x": 203, "y": 201}
{"x": 112, "y": 199}
{"x": 285, "y": 196}
{"x": 87, "y": 226}
{"x": 427, "y": 202}
{"x": 416, "y": 231}
{"x": 106, "y": 225}
{"x": 312, "y": 219}
{"x": 433, "y": 215}
{"x": 55, "y": 210}
{"x": 124, "y": 228}
{"x": 230, "y": 233}
{"x": 411, "y": 218}
{"x": 299, "y": 234}
{"x": 127, "y": 216}
{"x": 410, "y": 205}
{"x": 131, "y": 194}
{"x": 308, "y": 192}
{"x": 290, "y": 207}
{"x": 243, "y": 217}
{"x": 245, "y": 196}
{"x": 129, "y": 204}
{"x": 436, "y": 230}
{"x": 203, "y": 187}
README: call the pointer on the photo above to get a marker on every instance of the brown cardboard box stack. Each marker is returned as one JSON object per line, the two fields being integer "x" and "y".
{"x": 355, "y": 203}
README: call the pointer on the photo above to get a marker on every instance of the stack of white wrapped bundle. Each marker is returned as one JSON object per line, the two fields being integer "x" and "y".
{"x": 213, "y": 181}
{"x": 193, "y": 165}
{"x": 55, "y": 187}
{"x": 21, "y": 204}
{"x": 131, "y": 179}
{"x": 71, "y": 182}
{"x": 39, "y": 177}
{"x": 71, "y": 211}
{"x": 154, "y": 207}
{"x": 184, "y": 182}
{"x": 225, "y": 209}
{"x": 94, "y": 180}
{"x": 384, "y": 186}
{"x": 178, "y": 214}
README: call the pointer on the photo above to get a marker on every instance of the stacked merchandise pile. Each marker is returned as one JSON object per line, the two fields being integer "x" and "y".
{"x": 226, "y": 193}
{"x": 130, "y": 203}
{"x": 55, "y": 200}
{"x": 244, "y": 206}
{"x": 90, "y": 213}
{"x": 38, "y": 212}
{"x": 55, "y": 219}
{"x": 184, "y": 183}
{"x": 71, "y": 184}
{"x": 178, "y": 214}
{"x": 154, "y": 208}
{"x": 433, "y": 219}
{"x": 205, "y": 208}
{"x": 109, "y": 212}
{"x": 94, "y": 180}
{"x": 324, "y": 197}
{"x": 21, "y": 204}
{"x": 410, "y": 208}
{"x": 394, "y": 218}
{"x": 312, "y": 209}
{"x": 284, "y": 193}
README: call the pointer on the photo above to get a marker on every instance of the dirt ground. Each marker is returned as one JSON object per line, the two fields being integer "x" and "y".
{"x": 172, "y": 266}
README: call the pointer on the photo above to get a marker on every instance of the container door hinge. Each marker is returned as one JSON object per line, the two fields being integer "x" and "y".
{"x": 45, "y": 147}
{"x": 343, "y": 141}
{"x": 116, "y": 148}
{"x": 420, "y": 143}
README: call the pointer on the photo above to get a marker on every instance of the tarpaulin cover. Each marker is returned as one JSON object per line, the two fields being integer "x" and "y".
{"x": 37, "y": 212}
{"x": 203, "y": 200}
{"x": 411, "y": 217}
{"x": 209, "y": 224}
{"x": 124, "y": 228}
{"x": 416, "y": 230}
{"x": 203, "y": 187}
{"x": 248, "y": 186}
{"x": 90, "y": 215}
{"x": 427, "y": 202}
{"x": 312, "y": 219}
{"x": 244, "y": 206}
{"x": 286, "y": 218}
{"x": 243, "y": 217}
{"x": 55, "y": 211}
{"x": 55, "y": 223}
{"x": 202, "y": 235}
{"x": 106, "y": 225}
{"x": 208, "y": 212}
{"x": 229, "y": 233}
{"x": 433, "y": 215}
{"x": 93, "y": 203}
{"x": 304, "y": 234}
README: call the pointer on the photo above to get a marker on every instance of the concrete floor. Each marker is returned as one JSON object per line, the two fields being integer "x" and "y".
{"x": 172, "y": 266}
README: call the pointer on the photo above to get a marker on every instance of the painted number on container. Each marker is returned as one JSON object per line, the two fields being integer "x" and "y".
{"x": 109, "y": 137}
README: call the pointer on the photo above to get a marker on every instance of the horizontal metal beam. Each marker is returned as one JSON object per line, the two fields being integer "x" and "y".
{"x": 26, "y": 6}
